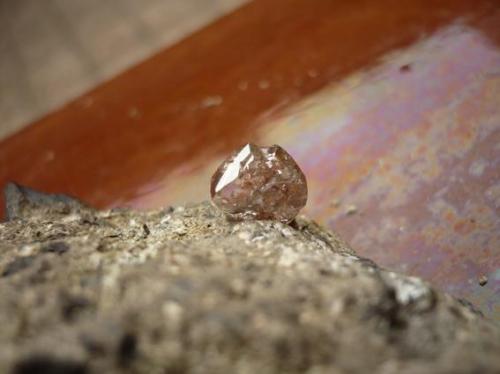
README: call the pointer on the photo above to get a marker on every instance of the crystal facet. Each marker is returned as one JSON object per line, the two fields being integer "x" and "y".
{"x": 259, "y": 183}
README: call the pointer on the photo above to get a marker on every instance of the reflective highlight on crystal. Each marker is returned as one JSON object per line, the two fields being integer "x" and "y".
{"x": 259, "y": 183}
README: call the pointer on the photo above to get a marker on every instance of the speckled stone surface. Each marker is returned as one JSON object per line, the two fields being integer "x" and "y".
{"x": 182, "y": 290}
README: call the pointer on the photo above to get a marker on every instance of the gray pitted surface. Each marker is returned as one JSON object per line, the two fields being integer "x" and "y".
{"x": 182, "y": 290}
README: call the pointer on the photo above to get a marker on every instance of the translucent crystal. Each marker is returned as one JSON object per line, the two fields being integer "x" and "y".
{"x": 259, "y": 183}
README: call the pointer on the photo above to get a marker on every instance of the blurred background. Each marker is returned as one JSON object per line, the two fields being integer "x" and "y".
{"x": 54, "y": 50}
{"x": 391, "y": 108}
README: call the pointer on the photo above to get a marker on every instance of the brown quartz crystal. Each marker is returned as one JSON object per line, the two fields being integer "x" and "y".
{"x": 259, "y": 183}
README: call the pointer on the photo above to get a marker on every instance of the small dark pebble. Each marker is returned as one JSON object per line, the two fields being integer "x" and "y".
{"x": 93, "y": 346}
{"x": 56, "y": 247}
{"x": 89, "y": 221}
{"x": 20, "y": 263}
{"x": 293, "y": 224}
{"x": 405, "y": 68}
{"x": 72, "y": 306}
{"x": 325, "y": 272}
{"x": 127, "y": 349}
{"x": 167, "y": 210}
{"x": 146, "y": 230}
{"x": 48, "y": 365}
{"x": 483, "y": 280}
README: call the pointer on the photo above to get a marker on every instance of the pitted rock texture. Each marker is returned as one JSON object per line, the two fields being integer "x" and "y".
{"x": 182, "y": 290}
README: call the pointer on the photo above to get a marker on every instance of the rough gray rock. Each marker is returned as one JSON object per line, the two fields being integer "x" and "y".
{"x": 182, "y": 290}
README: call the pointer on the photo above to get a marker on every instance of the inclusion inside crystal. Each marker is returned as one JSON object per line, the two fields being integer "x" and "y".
{"x": 259, "y": 183}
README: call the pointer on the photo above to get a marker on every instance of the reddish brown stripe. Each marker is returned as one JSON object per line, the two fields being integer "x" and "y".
{"x": 145, "y": 122}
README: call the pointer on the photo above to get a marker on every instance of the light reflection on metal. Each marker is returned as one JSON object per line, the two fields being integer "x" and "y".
{"x": 402, "y": 160}
{"x": 414, "y": 146}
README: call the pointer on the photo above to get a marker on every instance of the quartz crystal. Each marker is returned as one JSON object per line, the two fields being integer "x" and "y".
{"x": 259, "y": 183}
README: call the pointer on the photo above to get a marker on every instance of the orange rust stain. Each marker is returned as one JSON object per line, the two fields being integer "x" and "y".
{"x": 464, "y": 133}
{"x": 464, "y": 227}
{"x": 449, "y": 216}
{"x": 435, "y": 233}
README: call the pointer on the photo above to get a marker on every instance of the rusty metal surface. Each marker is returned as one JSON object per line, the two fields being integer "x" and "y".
{"x": 404, "y": 161}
